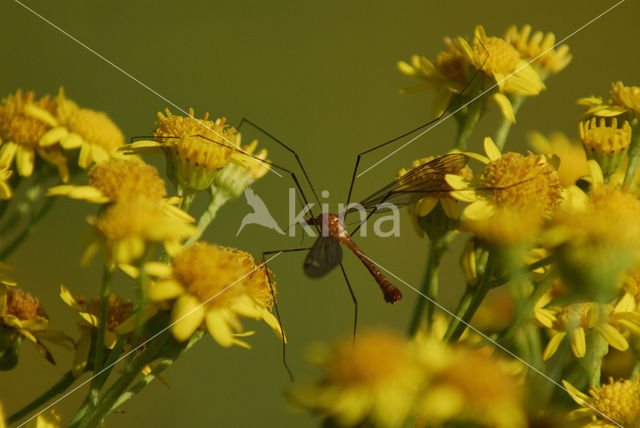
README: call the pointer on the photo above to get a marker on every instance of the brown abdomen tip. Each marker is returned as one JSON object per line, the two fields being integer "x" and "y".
{"x": 393, "y": 296}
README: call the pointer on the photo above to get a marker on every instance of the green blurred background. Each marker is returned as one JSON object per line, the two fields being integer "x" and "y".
{"x": 322, "y": 77}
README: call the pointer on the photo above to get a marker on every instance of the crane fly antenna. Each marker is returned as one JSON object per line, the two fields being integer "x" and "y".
{"x": 304, "y": 171}
{"x": 440, "y": 116}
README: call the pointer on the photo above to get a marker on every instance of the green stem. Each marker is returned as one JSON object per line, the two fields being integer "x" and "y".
{"x": 463, "y": 305}
{"x": 597, "y": 348}
{"x": 157, "y": 370}
{"x": 94, "y": 416}
{"x": 634, "y": 154}
{"x": 102, "y": 320}
{"x": 61, "y": 386}
{"x": 437, "y": 248}
{"x": 29, "y": 227}
{"x": 141, "y": 303}
{"x": 218, "y": 199}
{"x": 480, "y": 293}
{"x": 505, "y": 126}
{"x": 497, "y": 282}
{"x": 465, "y": 126}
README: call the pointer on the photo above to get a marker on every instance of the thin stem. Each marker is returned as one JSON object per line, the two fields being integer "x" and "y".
{"x": 102, "y": 320}
{"x": 58, "y": 388}
{"x": 505, "y": 126}
{"x": 463, "y": 305}
{"x": 634, "y": 154}
{"x": 480, "y": 293}
{"x": 437, "y": 248}
{"x": 497, "y": 282}
{"x": 465, "y": 126}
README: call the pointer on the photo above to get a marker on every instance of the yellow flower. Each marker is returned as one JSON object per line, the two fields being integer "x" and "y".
{"x": 49, "y": 419}
{"x": 214, "y": 286}
{"x": 22, "y": 316}
{"x": 5, "y": 189}
{"x": 192, "y": 161}
{"x": 595, "y": 238}
{"x": 540, "y": 46}
{"x": 72, "y": 127}
{"x": 509, "y": 202}
{"x": 122, "y": 179}
{"x": 573, "y": 160}
{"x": 19, "y": 132}
{"x": 607, "y": 144}
{"x": 370, "y": 382}
{"x": 504, "y": 65}
{"x": 611, "y": 405}
{"x": 501, "y": 63}
{"x": 468, "y": 386}
{"x": 425, "y": 205}
{"x": 624, "y": 100}
{"x": 234, "y": 178}
{"x": 448, "y": 74}
{"x": 119, "y": 320}
{"x": 576, "y": 319}
{"x": 125, "y": 228}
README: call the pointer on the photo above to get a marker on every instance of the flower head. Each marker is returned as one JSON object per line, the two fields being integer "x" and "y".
{"x": 73, "y": 127}
{"x": 606, "y": 143}
{"x": 22, "y": 316}
{"x": 118, "y": 320}
{"x": 624, "y": 100}
{"x": 373, "y": 379}
{"x": 423, "y": 207}
{"x": 196, "y": 149}
{"x": 595, "y": 238}
{"x": 19, "y": 132}
{"x": 512, "y": 197}
{"x": 124, "y": 230}
{"x": 539, "y": 47}
{"x": 214, "y": 286}
{"x": 617, "y": 402}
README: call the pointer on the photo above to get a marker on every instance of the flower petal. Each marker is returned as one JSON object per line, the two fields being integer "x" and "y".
{"x": 490, "y": 148}
{"x": 186, "y": 316}
{"x": 505, "y": 106}
{"x": 553, "y": 344}
{"x": 219, "y": 328}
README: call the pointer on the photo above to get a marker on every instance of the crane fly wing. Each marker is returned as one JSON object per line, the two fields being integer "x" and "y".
{"x": 325, "y": 254}
{"x": 425, "y": 179}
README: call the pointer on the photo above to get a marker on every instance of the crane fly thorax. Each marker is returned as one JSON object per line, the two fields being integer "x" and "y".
{"x": 332, "y": 226}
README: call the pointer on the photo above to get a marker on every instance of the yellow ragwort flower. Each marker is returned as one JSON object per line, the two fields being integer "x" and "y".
{"x": 573, "y": 160}
{"x": 624, "y": 100}
{"x": 501, "y": 62}
{"x": 372, "y": 381}
{"x": 539, "y": 47}
{"x": 21, "y": 315}
{"x": 470, "y": 386}
{"x": 124, "y": 230}
{"x": 596, "y": 237}
{"x": 214, "y": 286}
{"x": 576, "y": 319}
{"x": 610, "y": 405}
{"x": 122, "y": 179}
{"x": 195, "y": 148}
{"x": 606, "y": 143}
{"x": 72, "y": 127}
{"x": 511, "y": 199}
{"x": 448, "y": 74}
{"x": 426, "y": 204}
{"x": 119, "y": 320}
{"x": 19, "y": 132}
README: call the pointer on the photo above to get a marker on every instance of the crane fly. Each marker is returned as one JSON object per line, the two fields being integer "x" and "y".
{"x": 326, "y": 252}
